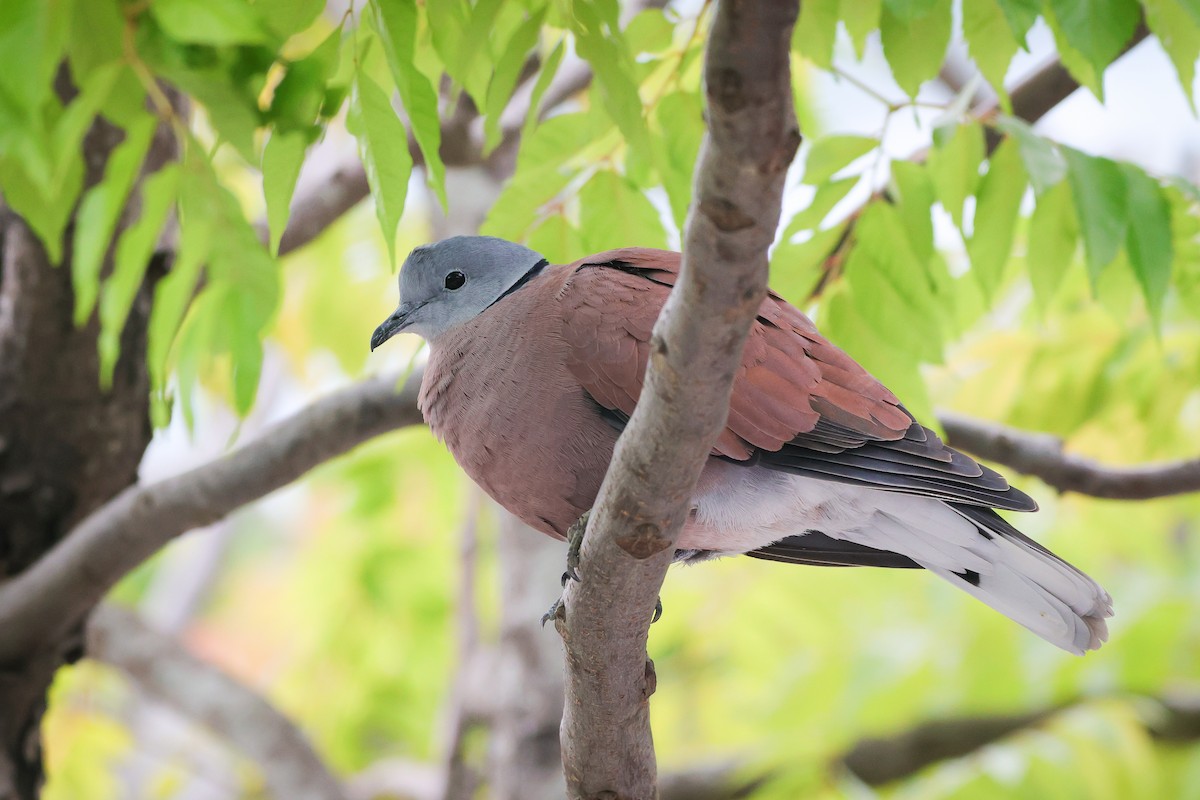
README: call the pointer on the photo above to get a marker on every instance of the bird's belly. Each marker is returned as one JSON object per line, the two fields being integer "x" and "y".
{"x": 737, "y": 508}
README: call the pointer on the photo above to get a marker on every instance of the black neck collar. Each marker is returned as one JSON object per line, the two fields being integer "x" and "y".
{"x": 524, "y": 279}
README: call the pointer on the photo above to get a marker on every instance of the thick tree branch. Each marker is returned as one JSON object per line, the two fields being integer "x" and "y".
{"x": 200, "y": 691}
{"x": 880, "y": 760}
{"x": 1042, "y": 456}
{"x": 56, "y": 592}
{"x": 695, "y": 350}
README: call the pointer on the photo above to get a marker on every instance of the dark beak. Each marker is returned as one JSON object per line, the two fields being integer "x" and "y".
{"x": 394, "y": 324}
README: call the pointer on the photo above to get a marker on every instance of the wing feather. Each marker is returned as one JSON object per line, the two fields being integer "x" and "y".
{"x": 799, "y": 404}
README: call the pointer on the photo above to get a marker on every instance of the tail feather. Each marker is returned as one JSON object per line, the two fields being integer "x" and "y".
{"x": 1035, "y": 588}
{"x": 976, "y": 550}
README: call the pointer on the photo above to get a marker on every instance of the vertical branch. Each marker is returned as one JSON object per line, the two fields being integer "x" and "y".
{"x": 527, "y": 679}
{"x": 696, "y": 348}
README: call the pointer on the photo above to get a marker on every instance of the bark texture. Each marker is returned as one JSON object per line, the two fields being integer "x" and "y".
{"x": 608, "y": 751}
{"x": 66, "y": 446}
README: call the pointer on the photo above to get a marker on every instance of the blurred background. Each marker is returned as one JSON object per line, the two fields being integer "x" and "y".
{"x": 391, "y": 612}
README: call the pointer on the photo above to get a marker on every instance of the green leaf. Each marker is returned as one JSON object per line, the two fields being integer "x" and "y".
{"x": 172, "y": 295}
{"x": 546, "y": 163}
{"x": 1100, "y": 190}
{"x": 845, "y": 318}
{"x": 283, "y": 156}
{"x": 471, "y": 64}
{"x": 46, "y": 215}
{"x": 649, "y": 32}
{"x": 916, "y": 47}
{"x": 861, "y": 18}
{"x": 100, "y": 211}
{"x": 680, "y": 118}
{"x": 1021, "y": 14}
{"x": 914, "y": 194}
{"x": 226, "y": 81}
{"x": 1098, "y": 29}
{"x": 1043, "y": 161}
{"x": 1053, "y": 238}
{"x": 1077, "y": 64}
{"x": 827, "y": 196}
{"x": 1148, "y": 239}
{"x": 77, "y": 119}
{"x": 397, "y": 24}
{"x": 1193, "y": 8}
{"x": 447, "y": 29}
{"x": 287, "y": 17}
{"x": 908, "y": 10}
{"x": 215, "y": 22}
{"x": 134, "y": 250}
{"x": 240, "y": 314}
{"x": 300, "y": 96}
{"x": 831, "y": 154}
{"x": 990, "y": 43}
{"x": 95, "y": 37}
{"x": 504, "y": 77}
{"x": 33, "y": 34}
{"x": 383, "y": 148}
{"x": 558, "y": 240}
{"x": 816, "y": 31}
{"x": 602, "y": 45}
{"x": 545, "y": 76}
{"x": 996, "y": 212}
{"x": 797, "y": 267}
{"x": 954, "y": 167}
{"x": 613, "y": 213}
{"x": 891, "y": 286}
{"x": 1179, "y": 35}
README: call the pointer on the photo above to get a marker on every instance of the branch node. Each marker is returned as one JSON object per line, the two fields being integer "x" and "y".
{"x": 645, "y": 541}
{"x": 651, "y": 685}
{"x": 725, "y": 214}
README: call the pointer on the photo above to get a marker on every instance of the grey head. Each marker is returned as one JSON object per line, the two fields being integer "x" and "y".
{"x": 447, "y": 283}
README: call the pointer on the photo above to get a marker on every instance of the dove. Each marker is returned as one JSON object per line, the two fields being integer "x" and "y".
{"x": 535, "y": 368}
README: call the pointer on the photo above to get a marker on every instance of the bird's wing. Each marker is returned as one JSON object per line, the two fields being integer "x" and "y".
{"x": 799, "y": 404}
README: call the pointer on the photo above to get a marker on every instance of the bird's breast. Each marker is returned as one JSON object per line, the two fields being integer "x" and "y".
{"x": 520, "y": 426}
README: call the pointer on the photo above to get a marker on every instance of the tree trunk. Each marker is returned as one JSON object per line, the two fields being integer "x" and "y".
{"x": 66, "y": 447}
{"x": 526, "y": 757}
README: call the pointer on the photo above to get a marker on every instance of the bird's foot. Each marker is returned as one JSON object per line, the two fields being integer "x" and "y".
{"x": 575, "y": 545}
{"x": 558, "y": 609}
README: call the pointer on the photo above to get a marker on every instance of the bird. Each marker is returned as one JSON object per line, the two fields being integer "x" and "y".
{"x": 534, "y": 369}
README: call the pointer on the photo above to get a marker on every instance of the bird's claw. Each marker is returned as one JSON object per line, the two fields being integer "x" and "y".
{"x": 575, "y": 545}
{"x": 557, "y": 610}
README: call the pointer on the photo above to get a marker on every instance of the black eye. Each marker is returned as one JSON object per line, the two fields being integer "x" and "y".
{"x": 455, "y": 280}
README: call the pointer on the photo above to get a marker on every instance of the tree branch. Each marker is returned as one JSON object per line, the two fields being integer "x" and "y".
{"x": 200, "y": 691}
{"x": 56, "y": 592}
{"x": 1042, "y": 456}
{"x": 695, "y": 351}
{"x": 880, "y": 760}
